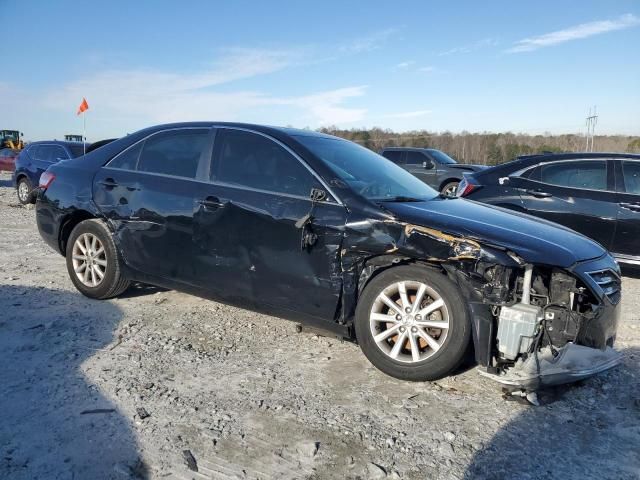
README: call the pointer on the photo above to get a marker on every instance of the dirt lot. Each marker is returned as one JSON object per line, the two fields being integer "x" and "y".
{"x": 249, "y": 397}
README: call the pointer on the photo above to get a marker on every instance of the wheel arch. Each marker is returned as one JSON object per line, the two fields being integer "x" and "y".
{"x": 374, "y": 266}
{"x": 68, "y": 224}
{"x": 448, "y": 180}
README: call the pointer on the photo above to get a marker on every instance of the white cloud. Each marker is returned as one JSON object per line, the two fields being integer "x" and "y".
{"x": 407, "y": 64}
{"x": 327, "y": 108}
{"x": 577, "y": 32}
{"x": 427, "y": 69}
{"x": 413, "y": 114}
{"x": 129, "y": 99}
{"x": 485, "y": 42}
{"x": 369, "y": 42}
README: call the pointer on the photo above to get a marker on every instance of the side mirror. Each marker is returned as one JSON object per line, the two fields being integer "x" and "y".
{"x": 317, "y": 195}
{"x": 427, "y": 165}
{"x": 504, "y": 180}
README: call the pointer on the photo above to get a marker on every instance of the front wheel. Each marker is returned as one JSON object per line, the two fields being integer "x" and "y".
{"x": 93, "y": 262}
{"x": 412, "y": 323}
{"x": 450, "y": 189}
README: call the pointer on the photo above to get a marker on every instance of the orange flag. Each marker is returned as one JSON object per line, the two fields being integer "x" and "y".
{"x": 84, "y": 106}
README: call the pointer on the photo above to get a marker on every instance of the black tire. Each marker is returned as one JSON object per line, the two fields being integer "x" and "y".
{"x": 114, "y": 281}
{"x": 24, "y": 185}
{"x": 452, "y": 351}
{"x": 449, "y": 185}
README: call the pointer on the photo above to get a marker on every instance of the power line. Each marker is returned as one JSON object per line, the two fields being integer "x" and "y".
{"x": 592, "y": 120}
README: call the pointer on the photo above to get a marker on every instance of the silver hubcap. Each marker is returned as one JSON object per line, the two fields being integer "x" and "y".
{"x": 450, "y": 191}
{"x": 89, "y": 259}
{"x": 409, "y": 321}
{"x": 23, "y": 191}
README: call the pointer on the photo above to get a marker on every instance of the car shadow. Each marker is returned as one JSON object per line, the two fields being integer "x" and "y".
{"x": 140, "y": 290}
{"x": 55, "y": 422}
{"x": 592, "y": 426}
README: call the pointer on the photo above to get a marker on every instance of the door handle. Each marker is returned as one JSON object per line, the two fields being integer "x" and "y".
{"x": 635, "y": 207}
{"x": 108, "y": 182}
{"x": 212, "y": 203}
{"x": 539, "y": 194}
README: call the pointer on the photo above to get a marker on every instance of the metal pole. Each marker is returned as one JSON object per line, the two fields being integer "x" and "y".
{"x": 84, "y": 132}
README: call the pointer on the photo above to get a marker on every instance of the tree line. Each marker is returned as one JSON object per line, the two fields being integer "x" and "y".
{"x": 485, "y": 148}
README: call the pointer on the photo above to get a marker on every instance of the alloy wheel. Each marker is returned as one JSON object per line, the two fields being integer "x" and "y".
{"x": 451, "y": 190}
{"x": 409, "y": 321}
{"x": 89, "y": 259}
{"x": 23, "y": 191}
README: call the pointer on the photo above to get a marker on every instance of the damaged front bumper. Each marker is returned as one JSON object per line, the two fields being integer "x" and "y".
{"x": 574, "y": 332}
{"x": 570, "y": 363}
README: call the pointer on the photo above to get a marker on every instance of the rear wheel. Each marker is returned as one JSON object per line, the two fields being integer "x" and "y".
{"x": 93, "y": 262}
{"x": 450, "y": 188}
{"x": 24, "y": 188}
{"x": 412, "y": 323}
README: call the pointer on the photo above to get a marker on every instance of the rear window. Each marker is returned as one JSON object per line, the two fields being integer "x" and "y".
{"x": 175, "y": 152}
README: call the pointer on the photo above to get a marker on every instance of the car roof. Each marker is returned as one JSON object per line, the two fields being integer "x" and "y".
{"x": 571, "y": 155}
{"x": 525, "y": 161}
{"x": 417, "y": 149}
{"x": 267, "y": 129}
{"x": 55, "y": 142}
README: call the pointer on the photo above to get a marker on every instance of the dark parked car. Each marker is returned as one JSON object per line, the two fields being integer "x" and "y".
{"x": 35, "y": 159}
{"x": 596, "y": 194}
{"x": 319, "y": 230}
{"x": 433, "y": 167}
{"x": 8, "y": 159}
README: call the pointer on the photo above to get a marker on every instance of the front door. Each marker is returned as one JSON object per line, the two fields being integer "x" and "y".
{"x": 574, "y": 193}
{"x": 248, "y": 234}
{"x": 626, "y": 243}
{"x": 421, "y": 166}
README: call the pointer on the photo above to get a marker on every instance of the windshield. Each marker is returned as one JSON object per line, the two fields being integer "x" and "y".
{"x": 367, "y": 173}
{"x": 76, "y": 150}
{"x": 442, "y": 157}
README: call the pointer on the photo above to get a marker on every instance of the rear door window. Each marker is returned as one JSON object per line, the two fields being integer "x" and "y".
{"x": 251, "y": 160}
{"x": 48, "y": 153}
{"x": 396, "y": 156}
{"x": 176, "y": 152}
{"x": 58, "y": 153}
{"x": 631, "y": 172}
{"x": 587, "y": 174}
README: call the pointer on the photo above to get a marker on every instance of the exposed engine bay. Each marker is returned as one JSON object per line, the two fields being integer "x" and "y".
{"x": 544, "y": 332}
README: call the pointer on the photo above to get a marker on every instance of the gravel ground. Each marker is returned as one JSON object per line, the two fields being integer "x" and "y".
{"x": 157, "y": 384}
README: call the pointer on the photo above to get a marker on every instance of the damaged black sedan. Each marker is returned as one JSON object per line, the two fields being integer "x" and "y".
{"x": 319, "y": 230}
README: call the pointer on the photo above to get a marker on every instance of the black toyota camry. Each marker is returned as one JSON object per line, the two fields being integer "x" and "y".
{"x": 319, "y": 230}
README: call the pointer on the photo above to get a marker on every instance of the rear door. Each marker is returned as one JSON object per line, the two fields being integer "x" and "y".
{"x": 44, "y": 156}
{"x": 626, "y": 244}
{"x": 576, "y": 193}
{"x": 149, "y": 191}
{"x": 247, "y": 232}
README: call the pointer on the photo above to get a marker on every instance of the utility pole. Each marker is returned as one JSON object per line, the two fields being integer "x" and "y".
{"x": 592, "y": 120}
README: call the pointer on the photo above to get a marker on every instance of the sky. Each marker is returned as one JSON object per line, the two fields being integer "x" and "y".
{"x": 526, "y": 67}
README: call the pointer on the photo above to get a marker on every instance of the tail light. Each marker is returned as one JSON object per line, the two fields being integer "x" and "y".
{"x": 466, "y": 186}
{"x": 45, "y": 179}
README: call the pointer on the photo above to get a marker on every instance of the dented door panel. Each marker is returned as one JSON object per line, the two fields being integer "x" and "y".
{"x": 250, "y": 247}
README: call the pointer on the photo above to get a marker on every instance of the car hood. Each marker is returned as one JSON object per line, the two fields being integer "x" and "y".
{"x": 535, "y": 240}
